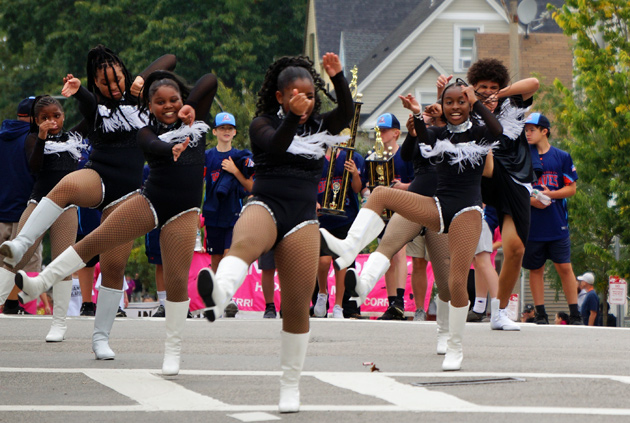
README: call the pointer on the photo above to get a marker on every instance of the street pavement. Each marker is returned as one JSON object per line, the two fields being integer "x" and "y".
{"x": 355, "y": 371}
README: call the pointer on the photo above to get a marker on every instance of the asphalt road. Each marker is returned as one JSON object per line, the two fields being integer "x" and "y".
{"x": 230, "y": 372}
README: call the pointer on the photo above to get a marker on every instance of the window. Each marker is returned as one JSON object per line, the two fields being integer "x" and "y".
{"x": 464, "y": 46}
{"x": 425, "y": 98}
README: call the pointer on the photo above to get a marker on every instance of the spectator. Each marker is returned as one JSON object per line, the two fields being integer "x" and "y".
{"x": 529, "y": 313}
{"x": 591, "y": 302}
{"x": 562, "y": 318}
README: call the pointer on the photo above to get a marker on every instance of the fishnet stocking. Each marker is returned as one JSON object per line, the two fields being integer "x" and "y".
{"x": 177, "y": 242}
{"x": 463, "y": 237}
{"x": 297, "y": 260}
{"x": 82, "y": 187}
{"x": 414, "y": 207}
{"x": 398, "y": 233}
{"x": 113, "y": 239}
{"x": 254, "y": 234}
{"x": 437, "y": 246}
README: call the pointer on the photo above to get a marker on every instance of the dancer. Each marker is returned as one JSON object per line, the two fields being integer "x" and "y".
{"x": 112, "y": 174}
{"x": 53, "y": 153}
{"x": 459, "y": 151}
{"x": 170, "y": 200}
{"x": 289, "y": 138}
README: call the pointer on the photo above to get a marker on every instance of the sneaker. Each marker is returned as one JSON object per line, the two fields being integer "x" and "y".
{"x": 14, "y": 307}
{"x": 160, "y": 312}
{"x": 88, "y": 309}
{"x": 321, "y": 306}
{"x": 473, "y": 316}
{"x": 230, "y": 310}
{"x": 188, "y": 316}
{"x": 542, "y": 319}
{"x": 337, "y": 312}
{"x": 419, "y": 315}
{"x": 501, "y": 321}
{"x": 576, "y": 320}
{"x": 270, "y": 312}
{"x": 121, "y": 313}
{"x": 395, "y": 311}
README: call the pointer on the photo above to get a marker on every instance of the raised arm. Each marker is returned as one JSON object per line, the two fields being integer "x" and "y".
{"x": 492, "y": 123}
{"x": 270, "y": 139}
{"x": 339, "y": 118}
{"x": 525, "y": 87}
{"x": 202, "y": 95}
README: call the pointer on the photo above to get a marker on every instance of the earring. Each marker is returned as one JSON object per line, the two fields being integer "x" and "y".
{"x": 281, "y": 112}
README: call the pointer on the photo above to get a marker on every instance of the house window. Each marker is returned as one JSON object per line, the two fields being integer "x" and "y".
{"x": 464, "y": 46}
{"x": 425, "y": 98}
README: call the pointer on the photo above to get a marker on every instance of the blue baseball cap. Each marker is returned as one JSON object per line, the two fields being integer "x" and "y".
{"x": 224, "y": 119}
{"x": 387, "y": 120}
{"x": 538, "y": 119}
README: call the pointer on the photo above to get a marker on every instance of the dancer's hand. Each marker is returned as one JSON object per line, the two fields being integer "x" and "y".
{"x": 441, "y": 83}
{"x": 469, "y": 92}
{"x": 299, "y": 103}
{"x": 179, "y": 148}
{"x": 187, "y": 115}
{"x": 70, "y": 85}
{"x": 136, "y": 87}
{"x": 410, "y": 102}
{"x": 332, "y": 64}
{"x": 45, "y": 127}
{"x": 411, "y": 128}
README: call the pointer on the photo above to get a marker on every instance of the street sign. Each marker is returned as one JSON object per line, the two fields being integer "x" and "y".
{"x": 617, "y": 290}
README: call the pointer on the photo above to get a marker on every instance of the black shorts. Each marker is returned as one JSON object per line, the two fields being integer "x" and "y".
{"x": 508, "y": 197}
{"x": 152, "y": 246}
{"x": 218, "y": 239}
{"x": 538, "y": 252}
{"x": 267, "y": 261}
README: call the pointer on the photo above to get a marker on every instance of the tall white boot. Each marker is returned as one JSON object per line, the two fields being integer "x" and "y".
{"x": 7, "y": 282}
{"x": 456, "y": 323}
{"x": 61, "y": 299}
{"x": 292, "y": 355}
{"x": 442, "y": 320}
{"x": 63, "y": 266}
{"x": 364, "y": 229}
{"x": 217, "y": 290}
{"x": 176, "y": 314}
{"x": 374, "y": 268}
{"x": 43, "y": 216}
{"x": 106, "y": 308}
{"x": 499, "y": 319}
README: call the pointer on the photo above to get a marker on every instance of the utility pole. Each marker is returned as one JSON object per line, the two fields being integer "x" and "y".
{"x": 515, "y": 42}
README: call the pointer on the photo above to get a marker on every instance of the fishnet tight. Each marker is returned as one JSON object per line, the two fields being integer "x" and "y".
{"x": 177, "y": 242}
{"x": 296, "y": 256}
{"x": 113, "y": 238}
{"x": 82, "y": 187}
{"x": 63, "y": 233}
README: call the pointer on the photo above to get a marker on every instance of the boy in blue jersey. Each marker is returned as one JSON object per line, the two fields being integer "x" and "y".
{"x": 229, "y": 175}
{"x": 549, "y": 229}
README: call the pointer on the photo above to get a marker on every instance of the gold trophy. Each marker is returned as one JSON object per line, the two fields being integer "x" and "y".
{"x": 380, "y": 166}
{"x": 336, "y": 188}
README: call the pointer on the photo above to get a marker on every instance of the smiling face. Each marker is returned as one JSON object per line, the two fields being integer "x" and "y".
{"x": 110, "y": 82}
{"x": 165, "y": 104}
{"x": 455, "y": 105}
{"x": 303, "y": 86}
{"x": 485, "y": 89}
{"x": 51, "y": 113}
{"x": 224, "y": 133}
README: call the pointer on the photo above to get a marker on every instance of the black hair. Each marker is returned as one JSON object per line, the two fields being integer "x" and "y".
{"x": 280, "y": 74}
{"x": 540, "y": 128}
{"x": 458, "y": 83}
{"x": 563, "y": 316}
{"x": 101, "y": 58}
{"x": 39, "y": 103}
{"x": 161, "y": 78}
{"x": 488, "y": 70}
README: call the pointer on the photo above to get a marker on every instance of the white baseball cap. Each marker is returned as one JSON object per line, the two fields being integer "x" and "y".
{"x": 588, "y": 277}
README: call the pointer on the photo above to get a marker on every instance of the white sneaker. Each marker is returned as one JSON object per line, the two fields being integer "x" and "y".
{"x": 337, "y": 312}
{"x": 501, "y": 321}
{"x": 419, "y": 315}
{"x": 320, "y": 306}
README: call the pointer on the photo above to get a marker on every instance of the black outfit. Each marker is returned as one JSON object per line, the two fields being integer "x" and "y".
{"x": 114, "y": 125}
{"x": 425, "y": 174}
{"x": 176, "y": 187}
{"x": 507, "y": 189}
{"x": 458, "y": 183}
{"x": 286, "y": 184}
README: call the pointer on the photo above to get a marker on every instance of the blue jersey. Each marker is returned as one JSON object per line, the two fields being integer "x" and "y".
{"x": 552, "y": 222}
{"x": 352, "y": 201}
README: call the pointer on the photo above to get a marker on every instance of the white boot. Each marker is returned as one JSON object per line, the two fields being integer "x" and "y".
{"x": 61, "y": 299}
{"x": 176, "y": 314}
{"x": 373, "y": 270}
{"x": 7, "y": 282}
{"x": 499, "y": 319}
{"x": 442, "y": 320}
{"x": 106, "y": 308}
{"x": 43, "y": 216}
{"x": 364, "y": 229}
{"x": 292, "y": 355}
{"x": 63, "y": 266}
{"x": 456, "y": 323}
{"x": 217, "y": 290}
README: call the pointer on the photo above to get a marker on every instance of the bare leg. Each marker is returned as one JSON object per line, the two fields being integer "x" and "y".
{"x": 513, "y": 250}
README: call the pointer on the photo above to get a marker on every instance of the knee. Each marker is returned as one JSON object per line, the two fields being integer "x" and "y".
{"x": 515, "y": 249}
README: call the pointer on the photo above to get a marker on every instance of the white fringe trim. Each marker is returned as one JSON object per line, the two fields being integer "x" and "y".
{"x": 126, "y": 118}
{"x": 314, "y": 146}
{"x": 512, "y": 119}
{"x": 461, "y": 154}
{"x": 179, "y": 135}
{"x": 74, "y": 145}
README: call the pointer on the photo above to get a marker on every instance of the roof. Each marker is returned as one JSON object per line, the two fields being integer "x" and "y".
{"x": 355, "y": 44}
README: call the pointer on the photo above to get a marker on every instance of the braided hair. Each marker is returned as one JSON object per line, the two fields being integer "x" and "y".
{"x": 39, "y": 103}
{"x": 101, "y": 58}
{"x": 283, "y": 72}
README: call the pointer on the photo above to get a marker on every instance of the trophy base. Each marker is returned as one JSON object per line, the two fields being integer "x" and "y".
{"x": 333, "y": 212}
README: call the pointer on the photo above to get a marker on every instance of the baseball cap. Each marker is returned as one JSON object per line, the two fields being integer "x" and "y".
{"x": 387, "y": 120}
{"x": 588, "y": 277}
{"x": 538, "y": 119}
{"x": 24, "y": 108}
{"x": 224, "y": 119}
{"x": 528, "y": 308}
